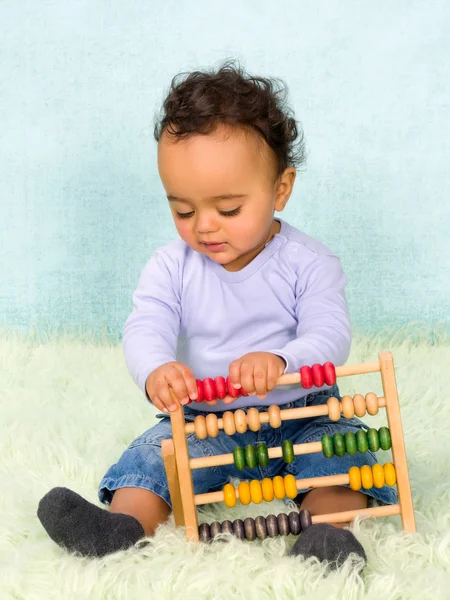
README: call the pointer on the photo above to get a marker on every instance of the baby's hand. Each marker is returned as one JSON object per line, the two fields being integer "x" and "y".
{"x": 173, "y": 376}
{"x": 257, "y": 372}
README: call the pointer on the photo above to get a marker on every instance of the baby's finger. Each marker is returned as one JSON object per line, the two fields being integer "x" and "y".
{"x": 159, "y": 405}
{"x": 178, "y": 385}
{"x": 228, "y": 399}
{"x": 190, "y": 381}
{"x": 272, "y": 376}
{"x": 247, "y": 380}
{"x": 260, "y": 379}
{"x": 211, "y": 402}
{"x": 234, "y": 373}
{"x": 165, "y": 396}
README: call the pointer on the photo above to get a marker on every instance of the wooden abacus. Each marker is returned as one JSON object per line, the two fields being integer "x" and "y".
{"x": 179, "y": 466}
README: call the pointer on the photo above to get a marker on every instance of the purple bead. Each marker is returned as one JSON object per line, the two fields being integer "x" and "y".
{"x": 204, "y": 532}
{"x": 305, "y": 519}
{"x": 294, "y": 523}
{"x": 272, "y": 526}
{"x": 283, "y": 524}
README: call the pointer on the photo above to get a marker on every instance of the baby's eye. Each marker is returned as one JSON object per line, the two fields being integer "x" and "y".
{"x": 231, "y": 213}
{"x": 184, "y": 215}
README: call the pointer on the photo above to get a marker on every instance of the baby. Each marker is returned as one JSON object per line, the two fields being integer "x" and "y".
{"x": 241, "y": 294}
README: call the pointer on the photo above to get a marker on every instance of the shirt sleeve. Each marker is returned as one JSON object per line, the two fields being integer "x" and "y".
{"x": 324, "y": 329}
{"x": 151, "y": 331}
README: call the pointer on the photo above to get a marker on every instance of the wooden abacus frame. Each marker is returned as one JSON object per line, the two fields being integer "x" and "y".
{"x": 179, "y": 466}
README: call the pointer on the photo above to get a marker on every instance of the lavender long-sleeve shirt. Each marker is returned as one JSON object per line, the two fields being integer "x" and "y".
{"x": 289, "y": 300}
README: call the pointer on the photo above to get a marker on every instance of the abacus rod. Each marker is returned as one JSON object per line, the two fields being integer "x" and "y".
{"x": 349, "y": 515}
{"x": 227, "y": 459}
{"x": 346, "y": 371}
{"x": 301, "y": 484}
{"x": 288, "y": 414}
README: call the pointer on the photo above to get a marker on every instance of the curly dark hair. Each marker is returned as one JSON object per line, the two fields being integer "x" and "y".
{"x": 199, "y": 101}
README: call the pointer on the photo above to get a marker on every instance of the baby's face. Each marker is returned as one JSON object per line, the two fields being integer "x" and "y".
{"x": 222, "y": 193}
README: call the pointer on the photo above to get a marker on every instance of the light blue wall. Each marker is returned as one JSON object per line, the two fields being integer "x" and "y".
{"x": 82, "y": 207}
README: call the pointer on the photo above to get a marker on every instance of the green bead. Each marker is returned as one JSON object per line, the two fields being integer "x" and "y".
{"x": 250, "y": 456}
{"x": 327, "y": 446}
{"x": 373, "y": 440}
{"x": 339, "y": 444}
{"x": 288, "y": 451}
{"x": 350, "y": 443}
{"x": 239, "y": 458}
{"x": 385, "y": 438}
{"x": 262, "y": 454}
{"x": 361, "y": 441}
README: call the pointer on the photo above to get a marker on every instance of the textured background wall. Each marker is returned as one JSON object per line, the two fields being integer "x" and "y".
{"x": 81, "y": 205}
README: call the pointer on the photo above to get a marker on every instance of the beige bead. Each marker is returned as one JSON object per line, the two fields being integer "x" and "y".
{"x": 372, "y": 403}
{"x": 334, "y": 409}
{"x": 200, "y": 427}
{"x": 228, "y": 423}
{"x": 360, "y": 405}
{"x": 211, "y": 425}
{"x": 274, "y": 416}
{"x": 254, "y": 423}
{"x": 240, "y": 420}
{"x": 348, "y": 409}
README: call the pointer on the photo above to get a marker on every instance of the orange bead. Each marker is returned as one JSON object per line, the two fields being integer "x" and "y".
{"x": 256, "y": 491}
{"x": 366, "y": 477}
{"x": 244, "y": 492}
{"x": 229, "y": 495}
{"x": 267, "y": 489}
{"x": 229, "y": 426}
{"x": 360, "y": 405}
{"x": 253, "y": 420}
{"x": 334, "y": 409}
{"x": 348, "y": 410}
{"x": 389, "y": 474}
{"x": 355, "y": 478}
{"x": 290, "y": 486}
{"x": 378, "y": 475}
{"x": 372, "y": 403}
{"x": 278, "y": 487}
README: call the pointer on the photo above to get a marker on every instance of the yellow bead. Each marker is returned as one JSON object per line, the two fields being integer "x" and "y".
{"x": 228, "y": 423}
{"x": 360, "y": 405}
{"x": 355, "y": 478}
{"x": 378, "y": 475}
{"x": 267, "y": 489}
{"x": 334, "y": 409}
{"x": 200, "y": 427}
{"x": 244, "y": 493}
{"x": 274, "y": 416}
{"x": 278, "y": 487}
{"x": 254, "y": 424}
{"x": 348, "y": 410}
{"x": 290, "y": 486}
{"x": 389, "y": 474}
{"x": 372, "y": 403}
{"x": 240, "y": 420}
{"x": 212, "y": 426}
{"x": 366, "y": 477}
{"x": 229, "y": 495}
{"x": 256, "y": 491}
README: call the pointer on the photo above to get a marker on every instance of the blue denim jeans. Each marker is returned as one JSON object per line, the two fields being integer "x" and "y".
{"x": 141, "y": 465}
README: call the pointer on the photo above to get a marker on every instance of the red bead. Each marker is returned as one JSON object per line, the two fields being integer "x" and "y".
{"x": 306, "y": 377}
{"x": 221, "y": 388}
{"x": 199, "y": 391}
{"x": 318, "y": 375}
{"x": 209, "y": 389}
{"x": 330, "y": 373}
{"x": 232, "y": 390}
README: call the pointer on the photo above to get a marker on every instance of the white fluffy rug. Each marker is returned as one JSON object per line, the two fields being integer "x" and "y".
{"x": 69, "y": 408}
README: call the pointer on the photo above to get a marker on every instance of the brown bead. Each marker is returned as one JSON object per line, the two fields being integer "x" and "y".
{"x": 305, "y": 519}
{"x": 250, "y": 529}
{"x": 239, "y": 529}
{"x": 283, "y": 524}
{"x": 261, "y": 527}
{"x": 254, "y": 423}
{"x": 294, "y": 523}
{"x": 227, "y": 527}
{"x": 274, "y": 416}
{"x": 215, "y": 528}
{"x": 272, "y": 526}
{"x": 204, "y": 532}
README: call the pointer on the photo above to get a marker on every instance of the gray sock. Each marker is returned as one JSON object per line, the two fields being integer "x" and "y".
{"x": 79, "y": 526}
{"x": 329, "y": 543}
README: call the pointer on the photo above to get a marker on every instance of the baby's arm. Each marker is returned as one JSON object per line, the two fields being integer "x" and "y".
{"x": 151, "y": 331}
{"x": 323, "y": 330}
